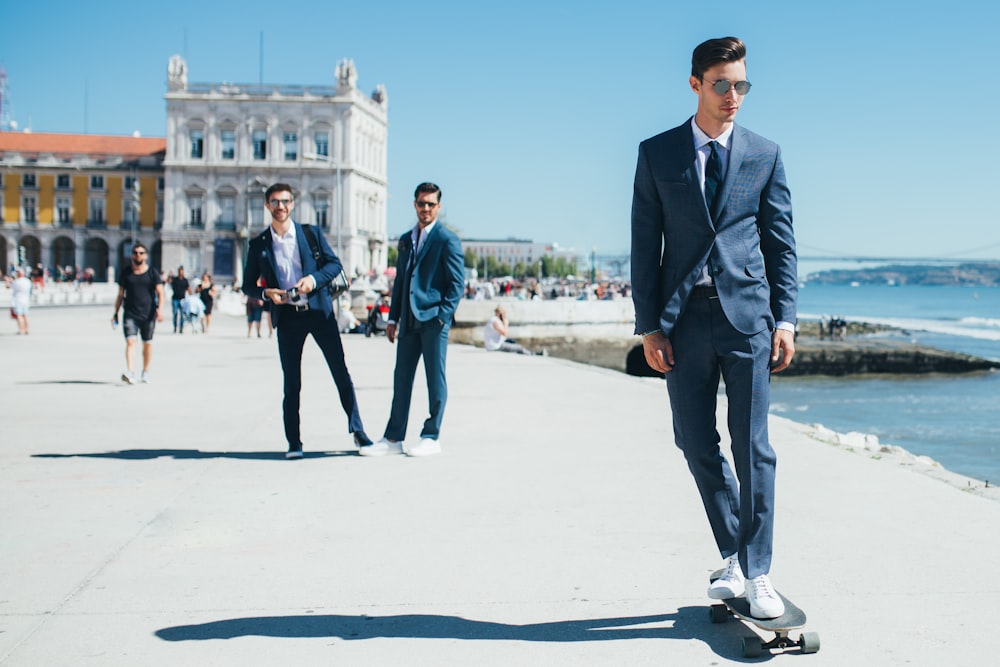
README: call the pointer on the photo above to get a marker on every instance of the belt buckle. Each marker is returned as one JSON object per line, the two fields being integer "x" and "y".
{"x": 300, "y": 307}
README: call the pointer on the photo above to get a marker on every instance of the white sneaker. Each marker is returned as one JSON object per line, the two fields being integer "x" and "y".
{"x": 426, "y": 447}
{"x": 128, "y": 377}
{"x": 764, "y": 600}
{"x": 731, "y": 583}
{"x": 381, "y": 448}
{"x": 145, "y": 377}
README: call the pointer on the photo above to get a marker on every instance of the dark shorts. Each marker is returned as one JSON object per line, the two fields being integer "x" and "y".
{"x": 132, "y": 328}
{"x": 255, "y": 314}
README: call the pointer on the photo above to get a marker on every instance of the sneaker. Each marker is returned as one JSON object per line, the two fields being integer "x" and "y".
{"x": 764, "y": 600}
{"x": 426, "y": 447}
{"x": 361, "y": 440}
{"x": 381, "y": 448}
{"x": 731, "y": 584}
{"x": 294, "y": 453}
{"x": 128, "y": 377}
{"x": 146, "y": 378}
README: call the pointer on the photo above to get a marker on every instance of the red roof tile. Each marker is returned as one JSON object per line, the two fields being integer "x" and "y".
{"x": 86, "y": 144}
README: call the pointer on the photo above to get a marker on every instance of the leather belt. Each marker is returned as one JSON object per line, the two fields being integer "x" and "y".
{"x": 298, "y": 308}
{"x": 704, "y": 292}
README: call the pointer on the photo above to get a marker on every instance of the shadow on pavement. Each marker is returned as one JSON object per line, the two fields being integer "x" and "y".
{"x": 146, "y": 454}
{"x": 690, "y": 623}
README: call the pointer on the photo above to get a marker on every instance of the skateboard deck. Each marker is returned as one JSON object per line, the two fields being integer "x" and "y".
{"x": 792, "y": 619}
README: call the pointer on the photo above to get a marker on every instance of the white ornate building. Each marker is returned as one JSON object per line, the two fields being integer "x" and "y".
{"x": 226, "y": 143}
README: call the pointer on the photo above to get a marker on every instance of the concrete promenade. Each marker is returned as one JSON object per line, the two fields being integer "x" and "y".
{"x": 159, "y": 524}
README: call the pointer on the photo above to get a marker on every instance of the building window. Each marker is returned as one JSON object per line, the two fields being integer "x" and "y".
{"x": 291, "y": 146}
{"x": 96, "y": 182}
{"x": 131, "y": 183}
{"x": 28, "y": 181}
{"x": 96, "y": 214}
{"x": 323, "y": 144}
{"x": 322, "y": 213}
{"x": 62, "y": 181}
{"x": 63, "y": 211}
{"x": 197, "y": 144}
{"x": 228, "y": 144}
{"x": 159, "y": 213}
{"x": 28, "y": 206}
{"x": 227, "y": 215}
{"x": 195, "y": 206}
{"x": 159, "y": 184}
{"x": 260, "y": 144}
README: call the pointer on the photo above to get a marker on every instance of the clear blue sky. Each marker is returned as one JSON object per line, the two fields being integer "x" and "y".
{"x": 528, "y": 114}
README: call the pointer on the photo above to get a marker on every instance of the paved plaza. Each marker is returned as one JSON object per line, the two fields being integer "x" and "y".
{"x": 159, "y": 524}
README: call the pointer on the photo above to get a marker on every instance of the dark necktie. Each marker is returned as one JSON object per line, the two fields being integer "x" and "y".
{"x": 713, "y": 175}
{"x": 416, "y": 246}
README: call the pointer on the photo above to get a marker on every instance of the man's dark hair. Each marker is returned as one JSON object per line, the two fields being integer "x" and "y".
{"x": 714, "y": 51}
{"x": 140, "y": 244}
{"x": 427, "y": 188}
{"x": 278, "y": 187}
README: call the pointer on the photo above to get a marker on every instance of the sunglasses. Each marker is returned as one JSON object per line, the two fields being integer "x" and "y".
{"x": 721, "y": 87}
{"x": 426, "y": 204}
{"x": 281, "y": 202}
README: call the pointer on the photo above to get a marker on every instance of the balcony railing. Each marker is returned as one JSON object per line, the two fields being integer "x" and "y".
{"x": 224, "y": 225}
{"x": 97, "y": 224}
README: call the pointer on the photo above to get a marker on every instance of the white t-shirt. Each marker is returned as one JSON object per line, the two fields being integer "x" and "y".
{"x": 491, "y": 337}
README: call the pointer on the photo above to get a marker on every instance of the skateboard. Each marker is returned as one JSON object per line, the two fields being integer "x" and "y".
{"x": 793, "y": 619}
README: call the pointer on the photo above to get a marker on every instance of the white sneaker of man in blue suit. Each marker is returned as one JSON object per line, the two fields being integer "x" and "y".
{"x": 715, "y": 286}
{"x": 430, "y": 282}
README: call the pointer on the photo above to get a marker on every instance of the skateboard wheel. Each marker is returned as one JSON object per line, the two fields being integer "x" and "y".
{"x": 719, "y": 613}
{"x": 809, "y": 641}
{"x": 752, "y": 647}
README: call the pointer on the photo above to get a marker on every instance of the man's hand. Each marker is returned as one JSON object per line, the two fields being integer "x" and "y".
{"x": 782, "y": 349}
{"x": 306, "y": 285}
{"x": 390, "y": 332}
{"x": 659, "y": 352}
{"x": 160, "y": 315}
{"x": 278, "y": 296}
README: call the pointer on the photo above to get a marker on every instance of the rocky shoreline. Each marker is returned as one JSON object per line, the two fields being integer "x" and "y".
{"x": 867, "y": 349}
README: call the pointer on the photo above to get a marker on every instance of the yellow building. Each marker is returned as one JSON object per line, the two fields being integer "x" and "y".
{"x": 79, "y": 200}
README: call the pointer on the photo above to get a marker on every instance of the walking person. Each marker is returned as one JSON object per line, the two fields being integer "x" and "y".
{"x": 430, "y": 281}
{"x": 20, "y": 300}
{"x": 180, "y": 288}
{"x": 141, "y": 290}
{"x": 207, "y": 293}
{"x": 281, "y": 268}
{"x": 714, "y": 287}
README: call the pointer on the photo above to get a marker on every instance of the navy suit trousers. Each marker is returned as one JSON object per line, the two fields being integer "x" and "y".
{"x": 429, "y": 340}
{"x": 293, "y": 328}
{"x": 706, "y": 345}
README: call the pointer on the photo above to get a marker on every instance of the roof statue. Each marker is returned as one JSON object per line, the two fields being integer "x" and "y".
{"x": 176, "y": 73}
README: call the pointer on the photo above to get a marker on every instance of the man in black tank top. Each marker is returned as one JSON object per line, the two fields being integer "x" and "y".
{"x": 141, "y": 289}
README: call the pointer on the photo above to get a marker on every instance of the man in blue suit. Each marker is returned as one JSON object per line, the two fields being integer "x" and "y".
{"x": 282, "y": 268}
{"x": 430, "y": 281}
{"x": 714, "y": 283}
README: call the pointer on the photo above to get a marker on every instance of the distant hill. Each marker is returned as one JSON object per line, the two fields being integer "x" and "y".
{"x": 974, "y": 274}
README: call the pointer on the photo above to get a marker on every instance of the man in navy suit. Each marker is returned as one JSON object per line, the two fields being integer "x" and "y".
{"x": 430, "y": 281}
{"x": 714, "y": 286}
{"x": 281, "y": 268}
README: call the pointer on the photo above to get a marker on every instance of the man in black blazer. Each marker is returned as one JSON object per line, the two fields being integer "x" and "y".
{"x": 281, "y": 268}
{"x": 714, "y": 283}
{"x": 430, "y": 281}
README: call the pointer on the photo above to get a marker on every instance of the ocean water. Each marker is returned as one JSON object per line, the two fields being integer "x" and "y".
{"x": 954, "y": 419}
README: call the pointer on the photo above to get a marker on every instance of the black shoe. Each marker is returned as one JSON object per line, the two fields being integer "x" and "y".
{"x": 362, "y": 440}
{"x": 294, "y": 453}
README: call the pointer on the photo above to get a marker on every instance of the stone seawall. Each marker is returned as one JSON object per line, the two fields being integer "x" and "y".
{"x": 600, "y": 333}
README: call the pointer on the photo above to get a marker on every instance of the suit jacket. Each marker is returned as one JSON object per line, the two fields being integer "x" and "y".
{"x": 746, "y": 240}
{"x": 261, "y": 264}
{"x": 433, "y": 285}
